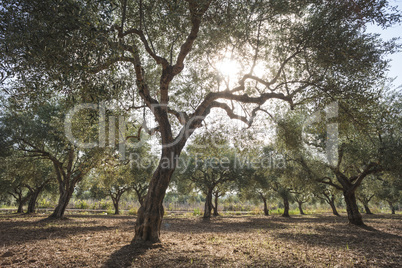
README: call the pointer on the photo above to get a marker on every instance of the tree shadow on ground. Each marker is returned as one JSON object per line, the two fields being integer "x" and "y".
{"x": 127, "y": 255}
{"x": 328, "y": 231}
{"x": 219, "y": 224}
{"x": 97, "y": 216}
{"x": 16, "y": 232}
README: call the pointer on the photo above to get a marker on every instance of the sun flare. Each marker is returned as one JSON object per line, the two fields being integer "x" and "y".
{"x": 229, "y": 68}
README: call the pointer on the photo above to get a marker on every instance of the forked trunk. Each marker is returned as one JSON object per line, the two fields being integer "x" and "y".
{"x": 354, "y": 215}
{"x": 64, "y": 199}
{"x": 333, "y": 207}
{"x": 286, "y": 206}
{"x": 215, "y": 207}
{"x": 150, "y": 214}
{"x": 208, "y": 205}
{"x": 301, "y": 208}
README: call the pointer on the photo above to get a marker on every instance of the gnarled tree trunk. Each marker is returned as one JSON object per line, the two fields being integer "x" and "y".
{"x": 286, "y": 206}
{"x": 21, "y": 200}
{"x": 32, "y": 201}
{"x": 367, "y": 209}
{"x": 20, "y": 208}
{"x": 150, "y": 214}
{"x": 300, "y": 207}
{"x": 208, "y": 205}
{"x": 140, "y": 193}
{"x": 354, "y": 215}
{"x": 116, "y": 205}
{"x": 215, "y": 207}
{"x": 116, "y": 198}
{"x": 331, "y": 202}
{"x": 264, "y": 200}
{"x": 64, "y": 199}
{"x": 21, "y": 203}
{"x": 266, "y": 211}
{"x": 34, "y": 196}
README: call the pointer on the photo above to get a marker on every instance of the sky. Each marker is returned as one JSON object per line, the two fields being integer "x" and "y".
{"x": 396, "y": 59}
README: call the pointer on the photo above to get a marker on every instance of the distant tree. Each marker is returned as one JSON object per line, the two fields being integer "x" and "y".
{"x": 300, "y": 185}
{"x": 209, "y": 169}
{"x": 256, "y": 188}
{"x": 366, "y": 192}
{"x": 141, "y": 172}
{"x": 253, "y": 183}
{"x": 115, "y": 181}
{"x": 367, "y": 147}
{"x": 114, "y": 177}
{"x": 390, "y": 190}
{"x": 327, "y": 194}
{"x": 219, "y": 191}
{"x": 40, "y": 177}
{"x": 39, "y": 133}
{"x": 24, "y": 179}
{"x": 300, "y": 198}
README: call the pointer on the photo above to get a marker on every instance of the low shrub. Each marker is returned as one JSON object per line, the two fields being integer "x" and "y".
{"x": 132, "y": 211}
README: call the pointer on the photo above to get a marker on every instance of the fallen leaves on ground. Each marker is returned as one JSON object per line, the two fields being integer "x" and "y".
{"x": 273, "y": 241}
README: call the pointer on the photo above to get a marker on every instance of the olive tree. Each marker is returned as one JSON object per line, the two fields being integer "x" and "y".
{"x": 164, "y": 56}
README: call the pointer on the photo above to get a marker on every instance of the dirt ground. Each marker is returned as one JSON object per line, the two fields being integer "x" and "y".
{"x": 241, "y": 241}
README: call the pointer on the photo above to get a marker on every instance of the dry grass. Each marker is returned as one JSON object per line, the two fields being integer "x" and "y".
{"x": 308, "y": 241}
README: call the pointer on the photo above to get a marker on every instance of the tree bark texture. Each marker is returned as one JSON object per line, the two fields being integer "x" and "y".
{"x": 34, "y": 196}
{"x": 32, "y": 201}
{"x": 21, "y": 202}
{"x": 354, "y": 215}
{"x": 116, "y": 205}
{"x": 331, "y": 202}
{"x": 150, "y": 214}
{"x": 20, "y": 207}
{"x": 367, "y": 209}
{"x": 286, "y": 206}
{"x": 208, "y": 205}
{"x": 301, "y": 208}
{"x": 266, "y": 211}
{"x": 64, "y": 199}
{"x": 215, "y": 207}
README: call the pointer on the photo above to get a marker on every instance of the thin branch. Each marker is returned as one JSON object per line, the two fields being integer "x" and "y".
{"x": 140, "y": 33}
{"x": 111, "y": 62}
{"x": 196, "y": 13}
{"x": 181, "y": 116}
{"x": 123, "y": 16}
{"x": 229, "y": 111}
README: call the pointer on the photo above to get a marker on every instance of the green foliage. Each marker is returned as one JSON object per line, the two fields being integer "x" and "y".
{"x": 45, "y": 203}
{"x": 197, "y": 212}
{"x": 82, "y": 204}
{"x": 132, "y": 211}
{"x": 105, "y": 204}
